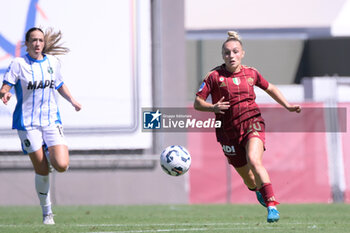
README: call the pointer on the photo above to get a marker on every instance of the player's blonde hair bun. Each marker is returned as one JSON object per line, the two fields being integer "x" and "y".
{"x": 233, "y": 35}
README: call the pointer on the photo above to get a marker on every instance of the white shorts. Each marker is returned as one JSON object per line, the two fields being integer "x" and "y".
{"x": 32, "y": 140}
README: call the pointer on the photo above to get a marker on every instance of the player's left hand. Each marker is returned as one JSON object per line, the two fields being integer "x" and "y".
{"x": 76, "y": 105}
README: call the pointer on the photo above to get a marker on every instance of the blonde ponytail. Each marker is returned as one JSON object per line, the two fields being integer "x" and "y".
{"x": 52, "y": 43}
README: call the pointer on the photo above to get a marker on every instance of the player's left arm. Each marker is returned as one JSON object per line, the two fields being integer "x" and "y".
{"x": 277, "y": 95}
{"x": 65, "y": 93}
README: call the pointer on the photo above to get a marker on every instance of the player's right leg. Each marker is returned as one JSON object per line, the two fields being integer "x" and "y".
{"x": 32, "y": 144}
{"x": 42, "y": 184}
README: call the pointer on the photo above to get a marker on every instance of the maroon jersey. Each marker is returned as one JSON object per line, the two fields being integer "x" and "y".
{"x": 238, "y": 89}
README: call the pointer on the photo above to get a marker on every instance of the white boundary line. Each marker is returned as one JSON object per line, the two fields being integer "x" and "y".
{"x": 262, "y": 225}
{"x": 190, "y": 229}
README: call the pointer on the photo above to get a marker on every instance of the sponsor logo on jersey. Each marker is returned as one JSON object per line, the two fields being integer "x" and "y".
{"x": 41, "y": 84}
{"x": 152, "y": 120}
{"x": 236, "y": 81}
{"x": 250, "y": 81}
{"x": 229, "y": 150}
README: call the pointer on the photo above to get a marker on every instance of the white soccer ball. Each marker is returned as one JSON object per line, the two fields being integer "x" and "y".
{"x": 175, "y": 160}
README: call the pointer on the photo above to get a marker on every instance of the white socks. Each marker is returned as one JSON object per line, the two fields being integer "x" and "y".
{"x": 42, "y": 186}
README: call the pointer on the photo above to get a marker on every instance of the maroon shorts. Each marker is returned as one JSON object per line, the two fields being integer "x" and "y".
{"x": 234, "y": 148}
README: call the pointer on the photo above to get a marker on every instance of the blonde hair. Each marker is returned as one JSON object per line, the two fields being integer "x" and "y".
{"x": 52, "y": 41}
{"x": 232, "y": 36}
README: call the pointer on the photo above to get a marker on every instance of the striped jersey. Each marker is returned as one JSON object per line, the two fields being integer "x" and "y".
{"x": 35, "y": 82}
{"x": 238, "y": 89}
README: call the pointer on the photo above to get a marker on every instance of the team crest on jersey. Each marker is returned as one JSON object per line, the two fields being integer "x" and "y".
{"x": 236, "y": 81}
{"x": 50, "y": 70}
{"x": 250, "y": 81}
{"x": 222, "y": 84}
{"x": 26, "y": 142}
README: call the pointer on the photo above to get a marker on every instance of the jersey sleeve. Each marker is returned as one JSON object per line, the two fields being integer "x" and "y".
{"x": 59, "y": 79}
{"x": 261, "y": 81}
{"x": 12, "y": 74}
{"x": 206, "y": 87}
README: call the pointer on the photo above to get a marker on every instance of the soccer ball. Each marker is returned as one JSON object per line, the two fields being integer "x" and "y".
{"x": 175, "y": 160}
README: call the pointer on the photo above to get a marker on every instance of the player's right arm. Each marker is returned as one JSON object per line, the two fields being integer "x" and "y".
{"x": 204, "y": 91}
{"x": 10, "y": 78}
{"x": 219, "y": 107}
{"x": 5, "y": 94}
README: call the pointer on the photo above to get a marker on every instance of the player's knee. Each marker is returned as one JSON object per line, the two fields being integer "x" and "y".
{"x": 62, "y": 167}
{"x": 255, "y": 164}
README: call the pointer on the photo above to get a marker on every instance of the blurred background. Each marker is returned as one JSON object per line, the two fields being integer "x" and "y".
{"x": 128, "y": 55}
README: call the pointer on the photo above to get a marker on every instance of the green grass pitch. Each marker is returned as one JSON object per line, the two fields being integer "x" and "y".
{"x": 305, "y": 218}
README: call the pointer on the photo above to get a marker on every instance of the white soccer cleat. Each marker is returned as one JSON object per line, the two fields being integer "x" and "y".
{"x": 48, "y": 219}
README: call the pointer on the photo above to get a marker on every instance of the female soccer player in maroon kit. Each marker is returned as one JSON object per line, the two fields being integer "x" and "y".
{"x": 242, "y": 135}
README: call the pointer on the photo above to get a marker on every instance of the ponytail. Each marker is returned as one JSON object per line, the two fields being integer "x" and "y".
{"x": 52, "y": 45}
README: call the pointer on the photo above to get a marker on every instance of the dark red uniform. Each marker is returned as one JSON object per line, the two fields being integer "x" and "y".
{"x": 243, "y": 119}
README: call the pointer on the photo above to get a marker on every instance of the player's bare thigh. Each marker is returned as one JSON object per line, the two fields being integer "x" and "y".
{"x": 59, "y": 157}
{"x": 254, "y": 149}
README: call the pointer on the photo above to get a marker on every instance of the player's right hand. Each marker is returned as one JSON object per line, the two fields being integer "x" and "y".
{"x": 6, "y": 97}
{"x": 221, "y": 105}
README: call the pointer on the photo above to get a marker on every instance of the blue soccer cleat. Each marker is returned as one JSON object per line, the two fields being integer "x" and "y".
{"x": 260, "y": 198}
{"x": 272, "y": 214}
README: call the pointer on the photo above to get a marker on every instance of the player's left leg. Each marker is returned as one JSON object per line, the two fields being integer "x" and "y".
{"x": 247, "y": 175}
{"x": 59, "y": 157}
{"x": 249, "y": 180}
{"x": 57, "y": 147}
{"x": 254, "y": 150}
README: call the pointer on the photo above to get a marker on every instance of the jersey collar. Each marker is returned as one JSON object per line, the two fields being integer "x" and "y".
{"x": 34, "y": 60}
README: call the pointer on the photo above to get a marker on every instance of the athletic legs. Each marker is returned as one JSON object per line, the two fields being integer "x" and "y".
{"x": 59, "y": 159}
{"x": 254, "y": 150}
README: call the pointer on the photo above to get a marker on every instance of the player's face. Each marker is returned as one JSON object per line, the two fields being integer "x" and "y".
{"x": 232, "y": 53}
{"x": 35, "y": 44}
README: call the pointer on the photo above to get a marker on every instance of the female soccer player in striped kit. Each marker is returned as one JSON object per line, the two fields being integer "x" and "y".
{"x": 242, "y": 135}
{"x": 35, "y": 77}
